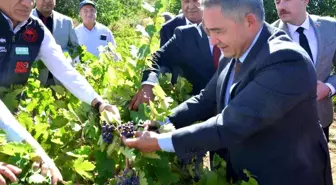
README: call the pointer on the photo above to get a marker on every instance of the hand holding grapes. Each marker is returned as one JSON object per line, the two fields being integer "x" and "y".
{"x": 144, "y": 141}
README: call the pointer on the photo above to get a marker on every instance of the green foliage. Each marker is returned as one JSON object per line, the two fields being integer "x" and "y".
{"x": 173, "y": 6}
{"x": 109, "y": 11}
{"x": 69, "y": 8}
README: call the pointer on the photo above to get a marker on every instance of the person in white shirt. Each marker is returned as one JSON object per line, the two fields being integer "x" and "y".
{"x": 23, "y": 39}
{"x": 91, "y": 33}
{"x": 16, "y": 132}
{"x": 316, "y": 35}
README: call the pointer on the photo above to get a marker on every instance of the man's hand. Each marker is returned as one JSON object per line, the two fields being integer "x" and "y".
{"x": 144, "y": 95}
{"x": 8, "y": 171}
{"x": 104, "y": 106}
{"x": 322, "y": 90}
{"x": 56, "y": 175}
{"x": 144, "y": 141}
{"x": 151, "y": 125}
{"x": 110, "y": 108}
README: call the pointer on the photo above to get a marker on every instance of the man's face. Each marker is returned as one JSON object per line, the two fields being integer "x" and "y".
{"x": 229, "y": 35}
{"x": 88, "y": 14}
{"x": 17, "y": 10}
{"x": 289, "y": 11}
{"x": 45, "y": 5}
{"x": 192, "y": 10}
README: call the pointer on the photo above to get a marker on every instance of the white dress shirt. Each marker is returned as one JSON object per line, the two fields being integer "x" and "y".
{"x": 312, "y": 40}
{"x": 51, "y": 55}
{"x": 310, "y": 34}
{"x": 92, "y": 38}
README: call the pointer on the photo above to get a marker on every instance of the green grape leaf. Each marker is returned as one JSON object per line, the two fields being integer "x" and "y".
{"x": 152, "y": 155}
{"x": 60, "y": 91}
{"x": 82, "y": 152}
{"x": 127, "y": 152}
{"x": 57, "y": 141}
{"x": 83, "y": 167}
{"x": 26, "y": 119}
{"x": 142, "y": 178}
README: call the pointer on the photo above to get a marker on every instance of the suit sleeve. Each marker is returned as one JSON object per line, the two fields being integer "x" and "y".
{"x": 332, "y": 79}
{"x": 167, "y": 56}
{"x": 73, "y": 41}
{"x": 164, "y": 36}
{"x": 284, "y": 85}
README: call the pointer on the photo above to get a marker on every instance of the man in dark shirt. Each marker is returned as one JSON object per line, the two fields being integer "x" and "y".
{"x": 61, "y": 28}
{"x": 47, "y": 20}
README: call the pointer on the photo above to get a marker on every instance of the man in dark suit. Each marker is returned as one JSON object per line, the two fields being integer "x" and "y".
{"x": 190, "y": 50}
{"x": 191, "y": 14}
{"x": 265, "y": 98}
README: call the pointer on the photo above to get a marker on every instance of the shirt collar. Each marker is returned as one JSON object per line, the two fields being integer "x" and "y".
{"x": 40, "y": 14}
{"x": 292, "y": 28}
{"x": 188, "y": 22}
{"x": 243, "y": 57}
{"x": 11, "y": 23}
{"x": 94, "y": 27}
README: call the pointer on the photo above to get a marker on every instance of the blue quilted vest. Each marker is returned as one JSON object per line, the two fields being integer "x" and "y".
{"x": 18, "y": 51}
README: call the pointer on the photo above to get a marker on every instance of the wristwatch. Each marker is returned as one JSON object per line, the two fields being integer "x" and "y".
{"x": 97, "y": 106}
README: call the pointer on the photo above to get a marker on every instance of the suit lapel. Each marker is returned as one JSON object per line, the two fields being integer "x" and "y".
{"x": 203, "y": 44}
{"x": 55, "y": 18}
{"x": 182, "y": 20}
{"x": 254, "y": 52}
{"x": 284, "y": 27}
{"x": 315, "y": 24}
{"x": 222, "y": 83}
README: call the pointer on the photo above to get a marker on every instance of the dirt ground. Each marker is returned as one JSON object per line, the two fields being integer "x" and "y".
{"x": 332, "y": 149}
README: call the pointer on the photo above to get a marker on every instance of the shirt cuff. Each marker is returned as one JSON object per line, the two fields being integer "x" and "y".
{"x": 148, "y": 83}
{"x": 165, "y": 142}
{"x": 332, "y": 89}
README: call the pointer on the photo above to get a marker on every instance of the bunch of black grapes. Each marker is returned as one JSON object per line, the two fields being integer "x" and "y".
{"x": 128, "y": 177}
{"x": 126, "y": 130}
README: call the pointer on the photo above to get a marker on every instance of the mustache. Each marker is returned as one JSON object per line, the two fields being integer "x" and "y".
{"x": 283, "y": 11}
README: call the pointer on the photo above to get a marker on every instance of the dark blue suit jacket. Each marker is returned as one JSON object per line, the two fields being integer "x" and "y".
{"x": 270, "y": 125}
{"x": 167, "y": 30}
{"x": 190, "y": 52}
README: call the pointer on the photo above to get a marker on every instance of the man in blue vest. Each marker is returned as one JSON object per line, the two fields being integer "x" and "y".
{"x": 23, "y": 40}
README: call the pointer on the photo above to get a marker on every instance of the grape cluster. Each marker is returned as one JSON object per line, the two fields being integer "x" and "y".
{"x": 107, "y": 132}
{"x": 128, "y": 178}
{"x": 127, "y": 129}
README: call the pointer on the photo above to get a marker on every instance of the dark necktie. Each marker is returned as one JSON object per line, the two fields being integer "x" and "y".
{"x": 216, "y": 53}
{"x": 236, "y": 69}
{"x": 304, "y": 42}
{"x": 44, "y": 20}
